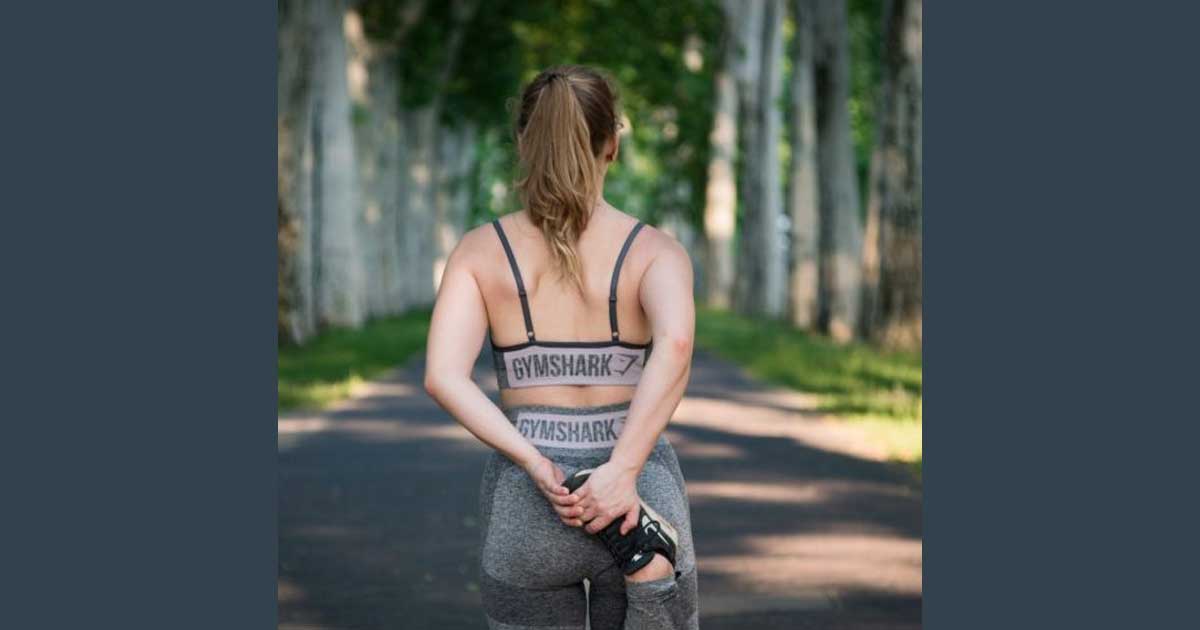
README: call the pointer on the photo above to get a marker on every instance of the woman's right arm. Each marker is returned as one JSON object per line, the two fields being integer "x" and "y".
{"x": 456, "y": 334}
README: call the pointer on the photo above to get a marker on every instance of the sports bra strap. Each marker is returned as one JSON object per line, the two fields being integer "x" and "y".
{"x": 512, "y": 262}
{"x": 612, "y": 292}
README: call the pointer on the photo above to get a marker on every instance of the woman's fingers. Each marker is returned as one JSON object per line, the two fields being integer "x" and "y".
{"x": 559, "y": 499}
{"x": 568, "y": 511}
{"x": 596, "y": 524}
{"x": 588, "y": 511}
{"x": 631, "y": 519}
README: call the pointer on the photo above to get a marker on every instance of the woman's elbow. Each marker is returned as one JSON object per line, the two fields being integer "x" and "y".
{"x": 434, "y": 386}
{"x": 678, "y": 345}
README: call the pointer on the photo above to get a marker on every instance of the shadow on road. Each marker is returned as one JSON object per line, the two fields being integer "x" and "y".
{"x": 378, "y": 519}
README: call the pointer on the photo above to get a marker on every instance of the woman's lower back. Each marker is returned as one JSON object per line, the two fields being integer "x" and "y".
{"x": 567, "y": 395}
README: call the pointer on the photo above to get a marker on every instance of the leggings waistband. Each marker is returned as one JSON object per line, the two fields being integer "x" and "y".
{"x": 569, "y": 427}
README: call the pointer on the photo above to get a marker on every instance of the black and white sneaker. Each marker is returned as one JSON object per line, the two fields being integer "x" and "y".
{"x": 636, "y": 549}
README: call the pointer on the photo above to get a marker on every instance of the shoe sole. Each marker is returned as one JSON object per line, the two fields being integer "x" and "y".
{"x": 667, "y": 528}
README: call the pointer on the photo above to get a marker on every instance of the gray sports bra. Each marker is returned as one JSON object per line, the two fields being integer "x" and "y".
{"x": 536, "y": 363}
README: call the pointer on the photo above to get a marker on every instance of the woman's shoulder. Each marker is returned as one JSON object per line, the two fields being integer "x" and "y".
{"x": 654, "y": 241}
{"x": 476, "y": 247}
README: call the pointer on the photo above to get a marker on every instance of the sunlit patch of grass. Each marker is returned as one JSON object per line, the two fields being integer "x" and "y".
{"x": 876, "y": 390}
{"x": 328, "y": 367}
{"x": 899, "y": 439}
{"x": 852, "y": 379}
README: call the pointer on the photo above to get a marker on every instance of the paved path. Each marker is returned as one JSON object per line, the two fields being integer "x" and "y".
{"x": 797, "y": 523}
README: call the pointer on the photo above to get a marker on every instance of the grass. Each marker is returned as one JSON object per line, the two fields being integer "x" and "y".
{"x": 878, "y": 392}
{"x": 328, "y": 367}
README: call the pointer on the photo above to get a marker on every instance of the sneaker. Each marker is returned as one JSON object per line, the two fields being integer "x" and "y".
{"x": 636, "y": 549}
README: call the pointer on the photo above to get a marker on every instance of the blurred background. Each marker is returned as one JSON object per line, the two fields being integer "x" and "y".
{"x": 780, "y": 141}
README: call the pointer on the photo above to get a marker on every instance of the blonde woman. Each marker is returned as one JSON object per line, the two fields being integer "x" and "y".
{"x": 574, "y": 295}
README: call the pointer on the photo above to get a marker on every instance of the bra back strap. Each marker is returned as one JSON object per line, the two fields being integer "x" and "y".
{"x": 512, "y": 262}
{"x": 612, "y": 292}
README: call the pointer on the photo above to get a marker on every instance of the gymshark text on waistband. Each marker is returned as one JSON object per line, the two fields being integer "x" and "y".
{"x": 570, "y": 431}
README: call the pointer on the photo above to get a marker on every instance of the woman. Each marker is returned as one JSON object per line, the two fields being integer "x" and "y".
{"x": 583, "y": 485}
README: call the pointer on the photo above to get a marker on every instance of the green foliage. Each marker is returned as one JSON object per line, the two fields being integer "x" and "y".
{"x": 866, "y": 50}
{"x": 360, "y": 116}
{"x": 853, "y": 380}
{"x": 328, "y": 367}
{"x": 651, "y": 48}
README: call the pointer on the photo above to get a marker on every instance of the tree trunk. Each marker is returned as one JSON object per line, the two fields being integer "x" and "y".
{"x": 337, "y": 204}
{"x": 802, "y": 190}
{"x": 374, "y": 90}
{"x": 720, "y": 206}
{"x": 422, "y": 178}
{"x": 297, "y": 316}
{"x": 762, "y": 266}
{"x": 841, "y": 232}
{"x": 454, "y": 190}
{"x": 892, "y": 254}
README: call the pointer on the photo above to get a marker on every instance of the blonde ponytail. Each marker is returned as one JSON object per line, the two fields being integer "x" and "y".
{"x": 567, "y": 116}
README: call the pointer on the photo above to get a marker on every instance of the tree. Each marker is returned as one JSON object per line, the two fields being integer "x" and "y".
{"x": 892, "y": 249}
{"x": 297, "y": 318}
{"x": 841, "y": 230}
{"x": 720, "y": 206}
{"x": 761, "y": 265}
{"x": 319, "y": 195}
{"x": 803, "y": 176}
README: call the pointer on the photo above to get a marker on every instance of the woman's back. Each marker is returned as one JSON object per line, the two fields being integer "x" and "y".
{"x": 558, "y": 312}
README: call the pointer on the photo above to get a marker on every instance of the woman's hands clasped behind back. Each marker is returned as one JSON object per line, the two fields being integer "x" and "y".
{"x": 610, "y": 493}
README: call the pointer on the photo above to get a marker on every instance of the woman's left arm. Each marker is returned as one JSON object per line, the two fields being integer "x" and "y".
{"x": 666, "y": 296}
{"x": 456, "y": 333}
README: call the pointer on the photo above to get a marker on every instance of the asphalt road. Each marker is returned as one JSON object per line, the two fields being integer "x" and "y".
{"x": 797, "y": 522}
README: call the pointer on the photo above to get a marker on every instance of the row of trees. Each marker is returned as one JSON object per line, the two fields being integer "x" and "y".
{"x": 803, "y": 255}
{"x": 753, "y": 129}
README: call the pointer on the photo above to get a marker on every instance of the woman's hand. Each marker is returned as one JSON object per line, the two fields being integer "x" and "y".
{"x": 549, "y": 477}
{"x": 609, "y": 493}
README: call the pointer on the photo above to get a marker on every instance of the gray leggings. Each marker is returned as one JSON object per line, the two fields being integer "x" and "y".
{"x": 533, "y": 566}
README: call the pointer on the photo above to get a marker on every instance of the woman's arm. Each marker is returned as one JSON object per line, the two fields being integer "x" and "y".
{"x": 666, "y": 296}
{"x": 456, "y": 334}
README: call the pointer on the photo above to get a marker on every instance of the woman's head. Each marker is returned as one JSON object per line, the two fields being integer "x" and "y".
{"x": 566, "y": 131}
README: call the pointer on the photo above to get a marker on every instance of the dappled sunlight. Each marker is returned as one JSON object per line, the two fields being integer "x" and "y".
{"x": 378, "y": 430}
{"x": 288, "y": 592}
{"x": 789, "y": 492}
{"x": 790, "y": 509}
{"x": 730, "y": 416}
{"x": 822, "y": 562}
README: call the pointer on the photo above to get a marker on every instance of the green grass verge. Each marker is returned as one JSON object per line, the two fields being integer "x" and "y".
{"x": 327, "y": 368}
{"x": 877, "y": 391}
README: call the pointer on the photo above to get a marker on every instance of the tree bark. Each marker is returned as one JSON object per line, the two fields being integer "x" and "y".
{"x": 720, "y": 205}
{"x": 803, "y": 193}
{"x": 762, "y": 265}
{"x": 297, "y": 306}
{"x": 337, "y": 201}
{"x": 892, "y": 254}
{"x": 841, "y": 230}
{"x": 457, "y": 160}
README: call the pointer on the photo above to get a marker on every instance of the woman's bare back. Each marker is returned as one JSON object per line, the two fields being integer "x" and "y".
{"x": 558, "y": 311}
